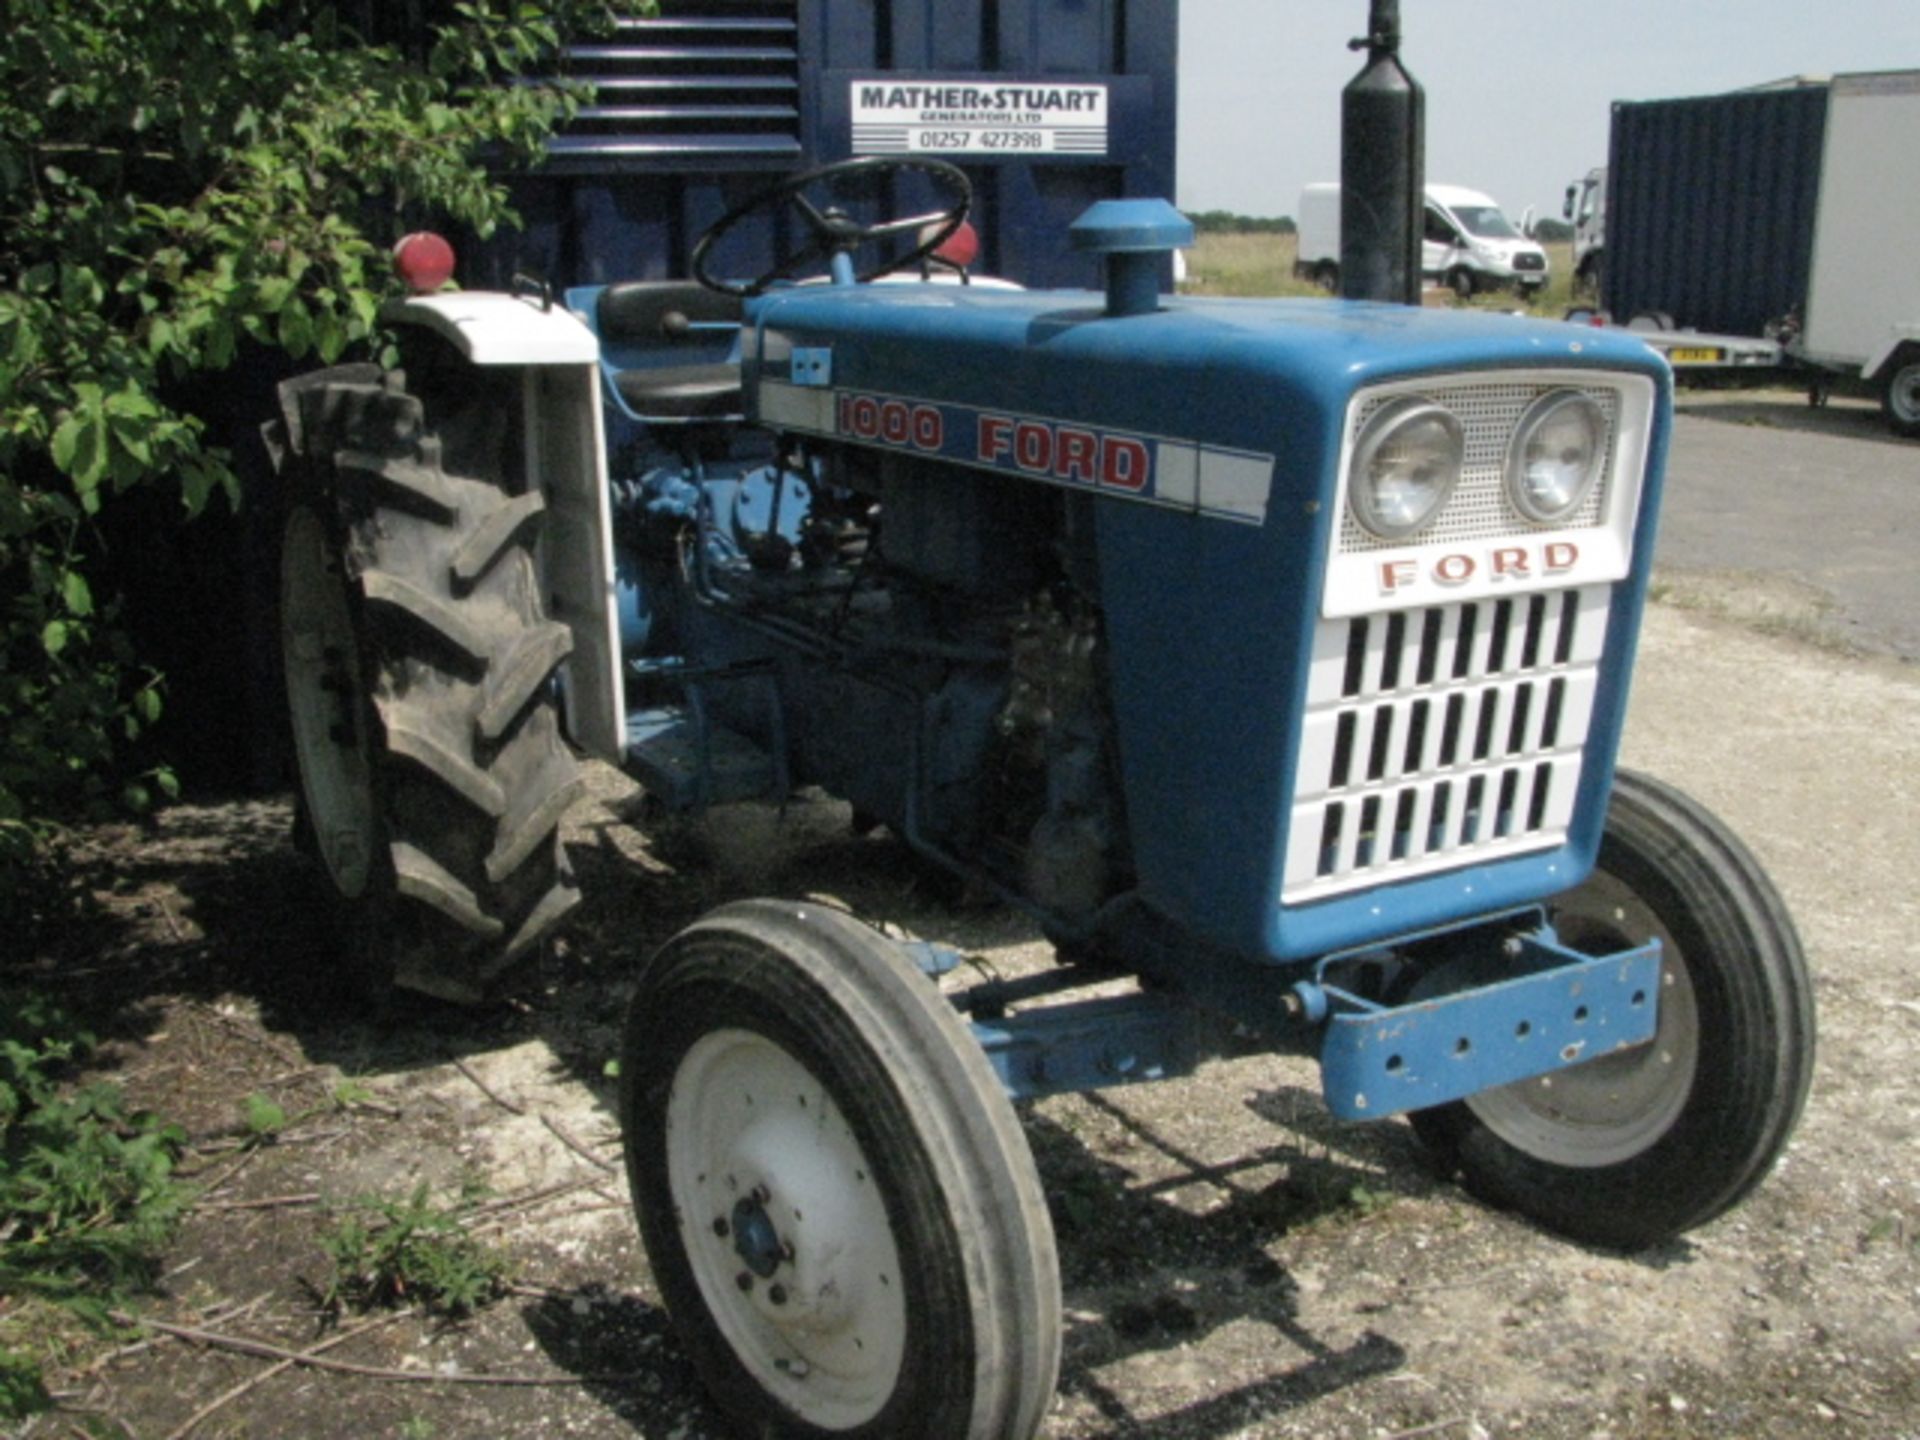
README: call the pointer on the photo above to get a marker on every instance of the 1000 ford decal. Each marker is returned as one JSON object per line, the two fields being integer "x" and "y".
{"x": 1228, "y": 484}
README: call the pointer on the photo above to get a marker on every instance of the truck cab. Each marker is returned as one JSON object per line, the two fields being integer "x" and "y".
{"x": 1586, "y": 210}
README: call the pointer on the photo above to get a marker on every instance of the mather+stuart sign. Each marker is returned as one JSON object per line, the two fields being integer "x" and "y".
{"x": 898, "y": 115}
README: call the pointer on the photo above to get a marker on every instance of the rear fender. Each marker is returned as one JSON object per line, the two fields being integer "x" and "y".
{"x": 558, "y": 358}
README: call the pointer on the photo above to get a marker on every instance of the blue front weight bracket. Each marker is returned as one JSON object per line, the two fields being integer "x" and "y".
{"x": 1378, "y": 1061}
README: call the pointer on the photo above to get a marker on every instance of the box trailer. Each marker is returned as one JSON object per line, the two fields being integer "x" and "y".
{"x": 1781, "y": 214}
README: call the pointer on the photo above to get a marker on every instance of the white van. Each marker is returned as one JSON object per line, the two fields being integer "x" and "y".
{"x": 1467, "y": 243}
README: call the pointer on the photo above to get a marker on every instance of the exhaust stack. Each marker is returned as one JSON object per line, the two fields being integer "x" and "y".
{"x": 1382, "y": 169}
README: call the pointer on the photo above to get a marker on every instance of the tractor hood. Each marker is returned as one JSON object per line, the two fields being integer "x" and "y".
{"x": 1208, "y": 435}
{"x": 1160, "y": 403}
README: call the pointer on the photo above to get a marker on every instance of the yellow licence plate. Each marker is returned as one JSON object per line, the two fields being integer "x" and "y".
{"x": 1692, "y": 355}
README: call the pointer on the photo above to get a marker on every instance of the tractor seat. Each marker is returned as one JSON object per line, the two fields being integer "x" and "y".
{"x": 645, "y": 324}
{"x": 681, "y": 392}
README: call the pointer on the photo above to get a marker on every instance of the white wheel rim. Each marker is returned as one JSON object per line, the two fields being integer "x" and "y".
{"x": 785, "y": 1229}
{"x": 1608, "y": 1110}
{"x": 323, "y": 694}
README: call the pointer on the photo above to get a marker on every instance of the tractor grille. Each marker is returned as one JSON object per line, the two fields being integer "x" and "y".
{"x": 1442, "y": 737}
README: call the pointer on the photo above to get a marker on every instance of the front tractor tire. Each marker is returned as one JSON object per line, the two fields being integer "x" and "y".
{"x": 1633, "y": 1149}
{"x": 419, "y": 666}
{"x": 837, "y": 1200}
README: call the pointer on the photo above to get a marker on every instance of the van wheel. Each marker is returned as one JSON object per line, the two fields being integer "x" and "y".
{"x": 1327, "y": 276}
{"x": 1461, "y": 282}
{"x": 1900, "y": 399}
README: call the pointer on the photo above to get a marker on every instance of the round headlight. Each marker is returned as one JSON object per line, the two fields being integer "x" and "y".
{"x": 1404, "y": 466}
{"x": 1555, "y": 457}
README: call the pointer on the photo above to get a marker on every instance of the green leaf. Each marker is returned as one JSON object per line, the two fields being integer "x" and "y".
{"x": 80, "y": 442}
{"x": 66, "y": 441}
{"x": 53, "y": 639}
{"x": 296, "y": 329}
{"x": 75, "y": 592}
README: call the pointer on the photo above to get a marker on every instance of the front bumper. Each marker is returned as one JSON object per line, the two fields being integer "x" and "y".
{"x": 1564, "y": 1008}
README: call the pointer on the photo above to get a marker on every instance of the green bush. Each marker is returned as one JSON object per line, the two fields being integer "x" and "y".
{"x": 88, "y": 1199}
{"x": 87, "y": 1194}
{"x": 177, "y": 178}
{"x": 1227, "y": 222}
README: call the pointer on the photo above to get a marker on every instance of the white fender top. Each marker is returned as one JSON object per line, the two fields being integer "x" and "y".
{"x": 496, "y": 329}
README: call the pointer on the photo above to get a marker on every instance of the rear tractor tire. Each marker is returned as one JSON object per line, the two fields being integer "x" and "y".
{"x": 419, "y": 666}
{"x": 1632, "y": 1149}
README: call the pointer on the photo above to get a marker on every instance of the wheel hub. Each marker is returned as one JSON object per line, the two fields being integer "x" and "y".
{"x": 755, "y": 1240}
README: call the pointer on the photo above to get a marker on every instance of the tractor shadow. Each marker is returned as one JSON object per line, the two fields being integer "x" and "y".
{"x": 1165, "y": 1239}
{"x": 1152, "y": 1266}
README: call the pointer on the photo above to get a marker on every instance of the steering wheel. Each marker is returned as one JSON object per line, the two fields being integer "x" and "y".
{"x": 832, "y": 231}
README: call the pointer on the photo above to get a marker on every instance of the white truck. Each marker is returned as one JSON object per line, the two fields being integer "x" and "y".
{"x": 1862, "y": 317}
{"x": 1469, "y": 244}
{"x": 1814, "y": 270}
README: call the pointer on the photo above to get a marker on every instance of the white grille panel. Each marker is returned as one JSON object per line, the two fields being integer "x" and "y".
{"x": 1489, "y": 412}
{"x": 1442, "y": 737}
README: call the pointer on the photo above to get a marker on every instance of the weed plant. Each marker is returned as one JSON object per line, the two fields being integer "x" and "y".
{"x": 411, "y": 1252}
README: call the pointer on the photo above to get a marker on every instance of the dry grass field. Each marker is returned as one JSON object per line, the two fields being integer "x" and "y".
{"x": 1220, "y": 264}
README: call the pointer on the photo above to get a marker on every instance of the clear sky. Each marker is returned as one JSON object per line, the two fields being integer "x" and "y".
{"x": 1517, "y": 92}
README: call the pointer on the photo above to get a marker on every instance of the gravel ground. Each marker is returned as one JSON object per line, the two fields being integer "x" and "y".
{"x": 1235, "y": 1263}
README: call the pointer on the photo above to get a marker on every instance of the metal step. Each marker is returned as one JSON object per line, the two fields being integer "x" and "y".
{"x": 685, "y": 770}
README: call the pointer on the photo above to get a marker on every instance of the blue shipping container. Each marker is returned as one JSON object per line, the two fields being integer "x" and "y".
{"x": 699, "y": 107}
{"x": 1710, "y": 207}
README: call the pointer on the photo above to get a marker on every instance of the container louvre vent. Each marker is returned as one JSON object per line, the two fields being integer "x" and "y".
{"x": 1442, "y": 737}
{"x": 703, "y": 83}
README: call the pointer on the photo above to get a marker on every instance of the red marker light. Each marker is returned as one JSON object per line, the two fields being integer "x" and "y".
{"x": 423, "y": 261}
{"x": 961, "y": 248}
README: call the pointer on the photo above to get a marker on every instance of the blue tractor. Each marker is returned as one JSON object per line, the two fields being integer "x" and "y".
{"x": 1272, "y": 655}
